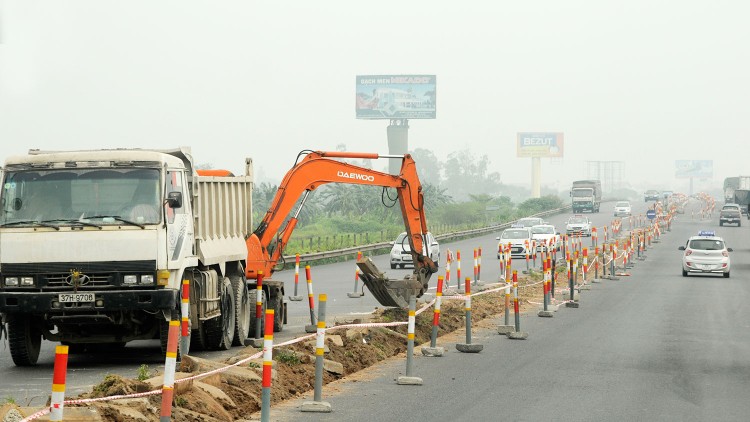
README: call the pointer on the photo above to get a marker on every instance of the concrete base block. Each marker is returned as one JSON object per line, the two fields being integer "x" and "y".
{"x": 641, "y": 258}
{"x": 505, "y": 329}
{"x": 409, "y": 381}
{"x": 316, "y": 406}
{"x": 354, "y": 295}
{"x": 311, "y": 328}
{"x": 545, "y": 314}
{"x": 611, "y": 277}
{"x": 255, "y": 342}
{"x": 596, "y": 280}
{"x": 434, "y": 352}
{"x": 571, "y": 304}
{"x": 584, "y": 287}
{"x": 518, "y": 335}
{"x": 553, "y": 308}
{"x": 295, "y": 298}
{"x": 469, "y": 348}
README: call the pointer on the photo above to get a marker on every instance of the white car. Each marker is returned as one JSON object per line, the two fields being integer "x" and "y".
{"x": 622, "y": 208}
{"x": 543, "y": 234}
{"x": 705, "y": 254}
{"x": 401, "y": 251}
{"x": 518, "y": 237}
{"x": 529, "y": 222}
{"x": 578, "y": 224}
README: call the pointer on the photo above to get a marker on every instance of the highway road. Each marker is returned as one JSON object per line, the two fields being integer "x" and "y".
{"x": 654, "y": 346}
{"x": 30, "y": 386}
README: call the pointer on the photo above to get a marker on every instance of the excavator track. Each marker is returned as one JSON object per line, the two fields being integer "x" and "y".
{"x": 389, "y": 292}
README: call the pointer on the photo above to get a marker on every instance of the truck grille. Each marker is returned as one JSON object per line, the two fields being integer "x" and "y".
{"x": 86, "y": 280}
{"x": 94, "y": 275}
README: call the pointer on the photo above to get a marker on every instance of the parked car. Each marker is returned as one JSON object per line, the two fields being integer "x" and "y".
{"x": 518, "y": 237}
{"x": 401, "y": 251}
{"x": 544, "y": 234}
{"x": 706, "y": 254}
{"x": 622, "y": 208}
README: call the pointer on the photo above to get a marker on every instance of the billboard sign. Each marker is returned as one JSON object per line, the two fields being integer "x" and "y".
{"x": 395, "y": 97}
{"x": 685, "y": 169}
{"x": 540, "y": 144}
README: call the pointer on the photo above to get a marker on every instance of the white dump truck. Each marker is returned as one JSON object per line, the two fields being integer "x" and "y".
{"x": 95, "y": 246}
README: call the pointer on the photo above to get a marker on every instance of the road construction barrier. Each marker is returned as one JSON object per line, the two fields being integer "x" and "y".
{"x": 57, "y": 399}
{"x": 545, "y": 286}
{"x": 479, "y": 263}
{"x": 258, "y": 309}
{"x": 265, "y": 406}
{"x": 433, "y": 350}
{"x": 458, "y": 269}
{"x": 170, "y": 365}
{"x": 311, "y": 302}
{"x": 185, "y": 315}
{"x": 468, "y": 347}
{"x": 296, "y": 296}
{"x": 318, "y": 405}
{"x": 517, "y": 334}
{"x": 476, "y": 268}
{"x": 356, "y": 292}
{"x": 409, "y": 379}
{"x": 506, "y": 328}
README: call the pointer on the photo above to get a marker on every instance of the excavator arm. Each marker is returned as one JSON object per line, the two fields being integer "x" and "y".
{"x": 266, "y": 244}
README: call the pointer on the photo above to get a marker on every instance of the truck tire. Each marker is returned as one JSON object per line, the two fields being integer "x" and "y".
{"x": 242, "y": 307}
{"x": 164, "y": 336}
{"x": 278, "y": 313}
{"x": 252, "y": 295}
{"x": 24, "y": 340}
{"x": 220, "y": 330}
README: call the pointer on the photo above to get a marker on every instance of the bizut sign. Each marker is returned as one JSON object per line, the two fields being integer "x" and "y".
{"x": 355, "y": 176}
{"x": 540, "y": 144}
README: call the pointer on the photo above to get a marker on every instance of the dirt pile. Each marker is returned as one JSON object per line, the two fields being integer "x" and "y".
{"x": 234, "y": 394}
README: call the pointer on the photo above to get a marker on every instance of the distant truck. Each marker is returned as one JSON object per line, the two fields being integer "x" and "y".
{"x": 730, "y": 184}
{"x": 742, "y": 193}
{"x": 586, "y": 195}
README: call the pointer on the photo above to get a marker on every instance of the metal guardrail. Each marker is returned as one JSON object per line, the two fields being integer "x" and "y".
{"x": 316, "y": 256}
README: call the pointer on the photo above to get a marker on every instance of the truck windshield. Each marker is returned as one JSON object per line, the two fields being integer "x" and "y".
{"x": 74, "y": 196}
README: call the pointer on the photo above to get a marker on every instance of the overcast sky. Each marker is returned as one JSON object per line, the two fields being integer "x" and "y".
{"x": 646, "y": 82}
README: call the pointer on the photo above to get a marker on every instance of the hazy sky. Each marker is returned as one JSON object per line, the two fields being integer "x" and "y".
{"x": 647, "y": 82}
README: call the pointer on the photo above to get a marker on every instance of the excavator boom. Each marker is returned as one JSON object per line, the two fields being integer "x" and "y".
{"x": 266, "y": 244}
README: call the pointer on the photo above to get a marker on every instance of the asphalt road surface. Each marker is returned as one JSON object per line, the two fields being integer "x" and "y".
{"x": 654, "y": 346}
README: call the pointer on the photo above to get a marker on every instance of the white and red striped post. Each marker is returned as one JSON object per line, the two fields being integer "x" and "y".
{"x": 311, "y": 302}
{"x": 448, "y": 260}
{"x": 170, "y": 365}
{"x": 544, "y": 312}
{"x": 526, "y": 246}
{"x": 296, "y": 297}
{"x": 479, "y": 263}
{"x": 433, "y": 350}
{"x": 594, "y": 237}
{"x": 408, "y": 379}
{"x": 508, "y": 262}
{"x": 468, "y": 347}
{"x": 517, "y": 334}
{"x": 585, "y": 263}
{"x": 58, "y": 383}
{"x": 259, "y": 307}
{"x": 356, "y": 293}
{"x": 458, "y": 269}
{"x": 476, "y": 268}
{"x": 318, "y": 405}
{"x": 534, "y": 253}
{"x": 185, "y": 317}
{"x": 265, "y": 407}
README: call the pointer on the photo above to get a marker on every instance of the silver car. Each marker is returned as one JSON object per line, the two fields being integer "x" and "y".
{"x": 401, "y": 251}
{"x": 705, "y": 254}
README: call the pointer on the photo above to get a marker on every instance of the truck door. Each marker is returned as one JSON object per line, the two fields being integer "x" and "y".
{"x": 179, "y": 227}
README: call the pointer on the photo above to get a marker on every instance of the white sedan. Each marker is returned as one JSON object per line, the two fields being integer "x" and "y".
{"x": 545, "y": 235}
{"x": 622, "y": 208}
{"x": 705, "y": 254}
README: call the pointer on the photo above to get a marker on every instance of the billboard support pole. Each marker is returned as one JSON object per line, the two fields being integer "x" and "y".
{"x": 398, "y": 143}
{"x": 536, "y": 177}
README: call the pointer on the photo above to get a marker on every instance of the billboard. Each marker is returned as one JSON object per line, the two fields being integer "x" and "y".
{"x": 539, "y": 144}
{"x": 685, "y": 169}
{"x": 395, "y": 97}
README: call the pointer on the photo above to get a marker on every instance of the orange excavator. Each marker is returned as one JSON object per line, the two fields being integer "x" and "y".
{"x": 266, "y": 244}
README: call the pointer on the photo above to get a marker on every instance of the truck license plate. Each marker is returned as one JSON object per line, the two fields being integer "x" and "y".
{"x": 75, "y": 297}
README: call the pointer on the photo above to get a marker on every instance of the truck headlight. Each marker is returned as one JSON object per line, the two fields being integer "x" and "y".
{"x": 130, "y": 279}
{"x": 11, "y": 281}
{"x": 147, "y": 279}
{"x": 27, "y": 281}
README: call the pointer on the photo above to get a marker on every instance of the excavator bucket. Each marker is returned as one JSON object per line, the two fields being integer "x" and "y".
{"x": 390, "y": 292}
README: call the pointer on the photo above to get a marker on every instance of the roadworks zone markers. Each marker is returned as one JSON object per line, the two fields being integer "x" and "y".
{"x": 434, "y": 350}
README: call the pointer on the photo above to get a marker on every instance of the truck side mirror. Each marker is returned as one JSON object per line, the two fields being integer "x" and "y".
{"x": 174, "y": 199}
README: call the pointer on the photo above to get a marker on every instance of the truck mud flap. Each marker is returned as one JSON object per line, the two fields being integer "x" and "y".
{"x": 388, "y": 292}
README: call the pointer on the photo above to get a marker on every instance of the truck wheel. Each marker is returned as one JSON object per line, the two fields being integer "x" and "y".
{"x": 278, "y": 313}
{"x": 25, "y": 341}
{"x": 242, "y": 306}
{"x": 220, "y": 330}
{"x": 252, "y": 294}
{"x": 164, "y": 336}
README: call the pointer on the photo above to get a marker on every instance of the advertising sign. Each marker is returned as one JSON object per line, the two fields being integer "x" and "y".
{"x": 395, "y": 97}
{"x": 685, "y": 169}
{"x": 540, "y": 144}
